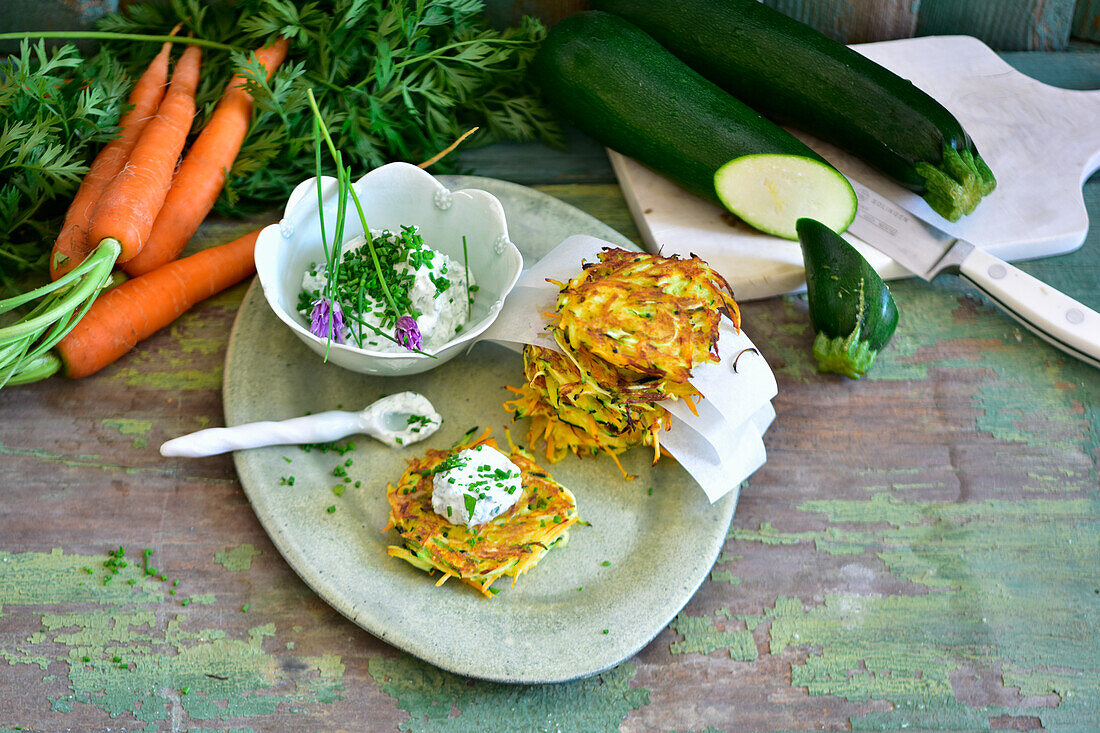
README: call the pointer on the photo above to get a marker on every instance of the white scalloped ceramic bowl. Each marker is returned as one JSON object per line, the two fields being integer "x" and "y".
{"x": 394, "y": 195}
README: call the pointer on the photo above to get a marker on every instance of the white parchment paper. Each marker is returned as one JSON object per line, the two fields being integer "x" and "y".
{"x": 722, "y": 445}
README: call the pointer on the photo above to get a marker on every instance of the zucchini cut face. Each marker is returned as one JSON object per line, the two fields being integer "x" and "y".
{"x": 772, "y": 192}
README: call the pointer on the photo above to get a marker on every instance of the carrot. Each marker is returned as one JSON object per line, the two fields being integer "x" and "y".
{"x": 202, "y": 174}
{"x": 127, "y": 209}
{"x": 138, "y": 308}
{"x": 72, "y": 244}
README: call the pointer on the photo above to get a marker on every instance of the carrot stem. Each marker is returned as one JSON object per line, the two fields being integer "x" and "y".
{"x": 113, "y": 36}
{"x": 202, "y": 175}
{"x": 36, "y": 369}
{"x": 24, "y": 345}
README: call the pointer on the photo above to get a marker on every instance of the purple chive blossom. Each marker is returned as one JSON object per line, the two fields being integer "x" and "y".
{"x": 324, "y": 311}
{"x": 408, "y": 333}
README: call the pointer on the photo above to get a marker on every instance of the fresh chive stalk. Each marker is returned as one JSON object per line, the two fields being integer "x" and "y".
{"x": 332, "y": 256}
{"x": 466, "y": 264}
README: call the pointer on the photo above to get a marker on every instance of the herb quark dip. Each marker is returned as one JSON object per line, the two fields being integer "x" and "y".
{"x": 424, "y": 283}
{"x": 475, "y": 485}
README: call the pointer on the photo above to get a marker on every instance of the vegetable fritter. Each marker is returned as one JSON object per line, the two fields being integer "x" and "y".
{"x": 510, "y": 544}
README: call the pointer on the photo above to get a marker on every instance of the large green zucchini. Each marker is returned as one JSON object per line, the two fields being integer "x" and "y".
{"x": 621, "y": 87}
{"x": 800, "y": 77}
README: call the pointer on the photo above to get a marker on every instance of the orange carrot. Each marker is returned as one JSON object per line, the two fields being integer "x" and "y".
{"x": 202, "y": 174}
{"x": 138, "y": 308}
{"x": 72, "y": 244}
{"x": 127, "y": 209}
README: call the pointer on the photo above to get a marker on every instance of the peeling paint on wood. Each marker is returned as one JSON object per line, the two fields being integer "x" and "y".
{"x": 436, "y": 699}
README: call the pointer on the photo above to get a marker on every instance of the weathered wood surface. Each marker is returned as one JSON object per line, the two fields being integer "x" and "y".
{"x": 855, "y": 21}
{"x": 1007, "y": 25}
{"x": 1086, "y": 20}
{"x": 919, "y": 551}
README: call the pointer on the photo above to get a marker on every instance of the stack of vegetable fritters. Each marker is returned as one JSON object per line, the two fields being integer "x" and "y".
{"x": 630, "y": 328}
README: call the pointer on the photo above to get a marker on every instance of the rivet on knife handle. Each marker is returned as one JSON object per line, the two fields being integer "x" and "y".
{"x": 1052, "y": 315}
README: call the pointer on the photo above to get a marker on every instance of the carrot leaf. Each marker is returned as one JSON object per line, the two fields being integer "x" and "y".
{"x": 393, "y": 81}
{"x": 54, "y": 112}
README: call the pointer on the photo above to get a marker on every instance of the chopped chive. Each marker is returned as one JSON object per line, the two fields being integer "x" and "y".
{"x": 244, "y": 608}
{"x": 331, "y": 509}
{"x": 466, "y": 264}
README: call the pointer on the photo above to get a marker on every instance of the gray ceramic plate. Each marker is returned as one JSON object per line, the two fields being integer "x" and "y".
{"x": 586, "y": 607}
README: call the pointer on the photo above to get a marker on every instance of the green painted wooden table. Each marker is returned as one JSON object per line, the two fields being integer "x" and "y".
{"x": 920, "y": 550}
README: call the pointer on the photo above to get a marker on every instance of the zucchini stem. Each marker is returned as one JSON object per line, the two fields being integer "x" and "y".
{"x": 956, "y": 186}
{"x": 848, "y": 355}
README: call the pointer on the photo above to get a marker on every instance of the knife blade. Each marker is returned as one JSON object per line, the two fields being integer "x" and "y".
{"x": 926, "y": 251}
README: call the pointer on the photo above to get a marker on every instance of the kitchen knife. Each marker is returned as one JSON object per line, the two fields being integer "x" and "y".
{"x": 927, "y": 251}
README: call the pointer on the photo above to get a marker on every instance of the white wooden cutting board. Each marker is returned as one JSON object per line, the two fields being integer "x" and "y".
{"x": 1041, "y": 143}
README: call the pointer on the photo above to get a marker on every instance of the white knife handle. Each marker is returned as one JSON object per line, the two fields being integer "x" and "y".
{"x": 1052, "y": 315}
{"x": 323, "y": 427}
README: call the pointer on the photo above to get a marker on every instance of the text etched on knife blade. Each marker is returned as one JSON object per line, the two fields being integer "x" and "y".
{"x": 869, "y": 201}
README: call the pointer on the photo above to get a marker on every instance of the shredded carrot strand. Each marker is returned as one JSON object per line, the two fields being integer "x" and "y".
{"x": 448, "y": 149}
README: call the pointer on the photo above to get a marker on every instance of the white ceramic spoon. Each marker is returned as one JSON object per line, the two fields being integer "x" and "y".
{"x": 396, "y": 420}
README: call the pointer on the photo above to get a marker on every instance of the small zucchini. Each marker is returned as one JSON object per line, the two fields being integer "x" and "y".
{"x": 798, "y": 76}
{"x": 851, "y": 308}
{"x": 621, "y": 87}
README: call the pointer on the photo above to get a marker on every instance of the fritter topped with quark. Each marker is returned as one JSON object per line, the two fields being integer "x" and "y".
{"x": 646, "y": 313}
{"x": 509, "y": 544}
{"x": 630, "y": 329}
